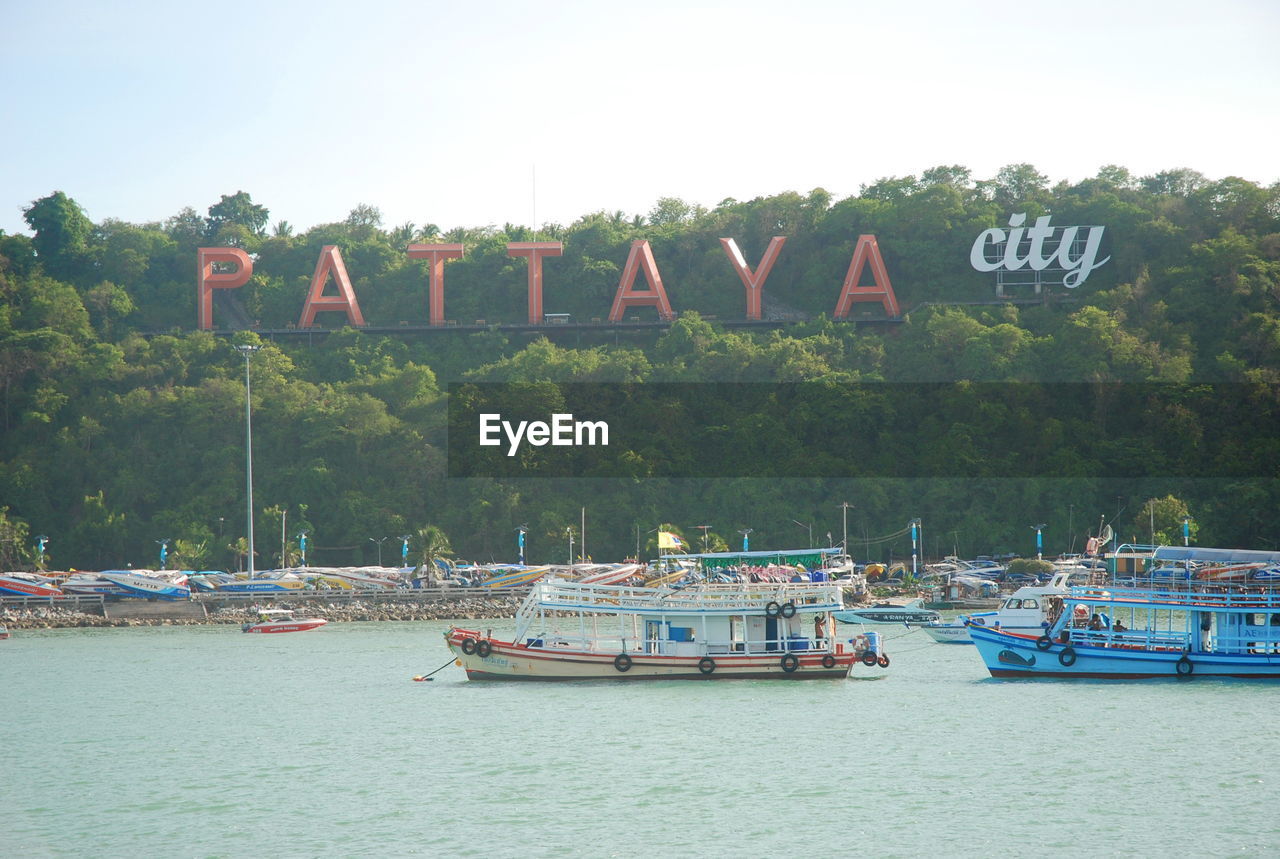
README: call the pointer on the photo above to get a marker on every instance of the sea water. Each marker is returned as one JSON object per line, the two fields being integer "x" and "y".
{"x": 202, "y": 741}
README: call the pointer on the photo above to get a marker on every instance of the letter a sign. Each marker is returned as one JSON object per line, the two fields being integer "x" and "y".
{"x": 866, "y": 251}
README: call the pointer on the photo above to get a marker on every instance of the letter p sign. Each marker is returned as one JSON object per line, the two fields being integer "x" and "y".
{"x": 207, "y": 281}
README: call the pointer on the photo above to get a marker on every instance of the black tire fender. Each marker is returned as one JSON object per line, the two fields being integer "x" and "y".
{"x": 622, "y": 662}
{"x": 828, "y": 661}
{"x": 790, "y": 662}
{"x": 788, "y": 609}
{"x": 1067, "y": 657}
{"x": 468, "y": 646}
{"x": 483, "y": 648}
{"x": 706, "y": 665}
{"x": 1044, "y": 642}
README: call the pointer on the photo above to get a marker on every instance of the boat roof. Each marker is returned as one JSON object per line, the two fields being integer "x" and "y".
{"x": 1217, "y": 556}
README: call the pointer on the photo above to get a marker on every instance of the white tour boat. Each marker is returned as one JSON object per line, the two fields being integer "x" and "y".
{"x": 579, "y": 631}
{"x": 1028, "y": 610}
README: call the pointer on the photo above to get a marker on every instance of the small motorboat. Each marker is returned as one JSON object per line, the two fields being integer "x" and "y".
{"x": 887, "y": 612}
{"x": 4, "y": 632}
{"x": 282, "y": 620}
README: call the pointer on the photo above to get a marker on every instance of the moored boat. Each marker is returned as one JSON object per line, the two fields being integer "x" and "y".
{"x": 1161, "y": 626}
{"x": 271, "y": 620}
{"x": 1028, "y": 610}
{"x": 911, "y": 612}
{"x": 580, "y": 631}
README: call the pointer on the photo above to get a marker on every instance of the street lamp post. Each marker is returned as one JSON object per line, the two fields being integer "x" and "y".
{"x": 844, "y": 532}
{"x": 40, "y": 543}
{"x": 246, "y": 351}
{"x": 379, "y": 541}
{"x": 302, "y": 547}
{"x": 164, "y": 552}
{"x": 705, "y": 529}
{"x": 404, "y": 550}
{"x": 746, "y": 537}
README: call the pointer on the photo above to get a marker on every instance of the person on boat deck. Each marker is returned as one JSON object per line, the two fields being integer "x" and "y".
{"x": 1095, "y": 623}
{"x": 1119, "y": 626}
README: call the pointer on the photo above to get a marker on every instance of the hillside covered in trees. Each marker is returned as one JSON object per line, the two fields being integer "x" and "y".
{"x": 122, "y": 425}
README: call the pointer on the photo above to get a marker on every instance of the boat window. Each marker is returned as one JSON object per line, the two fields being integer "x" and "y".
{"x": 1255, "y": 620}
{"x": 1013, "y": 604}
{"x": 1030, "y": 604}
{"x": 1275, "y": 620}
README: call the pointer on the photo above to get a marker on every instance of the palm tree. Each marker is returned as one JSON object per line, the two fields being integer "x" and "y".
{"x": 433, "y": 545}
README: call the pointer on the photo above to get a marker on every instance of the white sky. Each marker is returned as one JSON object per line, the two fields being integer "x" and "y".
{"x": 444, "y": 112}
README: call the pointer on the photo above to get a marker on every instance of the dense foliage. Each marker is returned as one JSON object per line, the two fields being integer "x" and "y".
{"x": 121, "y": 426}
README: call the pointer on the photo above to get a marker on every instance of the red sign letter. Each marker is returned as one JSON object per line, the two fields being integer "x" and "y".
{"x": 330, "y": 260}
{"x": 207, "y": 281}
{"x": 436, "y": 254}
{"x": 641, "y": 257}
{"x": 754, "y": 282}
{"x": 535, "y": 251}
{"x": 866, "y": 251}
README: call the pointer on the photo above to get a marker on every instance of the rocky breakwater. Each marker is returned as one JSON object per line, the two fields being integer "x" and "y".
{"x": 482, "y": 606}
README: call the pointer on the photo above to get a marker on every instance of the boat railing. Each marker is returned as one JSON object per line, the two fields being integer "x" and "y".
{"x": 1137, "y": 639}
{"x": 666, "y": 647}
{"x": 1181, "y": 594}
{"x": 575, "y": 596}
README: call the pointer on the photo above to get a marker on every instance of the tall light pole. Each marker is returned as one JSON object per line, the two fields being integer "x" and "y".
{"x": 569, "y": 532}
{"x": 379, "y": 541}
{"x": 844, "y": 532}
{"x": 1039, "y": 540}
{"x": 246, "y": 351}
{"x": 705, "y": 529}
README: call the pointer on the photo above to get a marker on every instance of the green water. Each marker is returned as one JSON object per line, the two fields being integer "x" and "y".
{"x": 202, "y": 741}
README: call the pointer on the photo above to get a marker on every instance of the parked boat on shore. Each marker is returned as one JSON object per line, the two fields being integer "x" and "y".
{"x": 29, "y": 585}
{"x": 150, "y": 584}
{"x": 576, "y": 631}
{"x": 1157, "y": 626}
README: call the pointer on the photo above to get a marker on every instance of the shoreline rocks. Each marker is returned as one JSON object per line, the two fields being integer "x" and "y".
{"x": 487, "y": 607}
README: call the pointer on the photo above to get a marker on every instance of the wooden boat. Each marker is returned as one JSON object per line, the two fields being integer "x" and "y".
{"x": 1157, "y": 627}
{"x": 581, "y": 631}
{"x": 272, "y": 620}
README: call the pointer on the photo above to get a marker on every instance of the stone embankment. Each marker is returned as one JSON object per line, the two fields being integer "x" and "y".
{"x": 478, "y": 608}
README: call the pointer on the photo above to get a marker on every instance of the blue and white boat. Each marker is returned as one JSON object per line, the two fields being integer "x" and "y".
{"x": 1164, "y": 626}
{"x": 151, "y": 584}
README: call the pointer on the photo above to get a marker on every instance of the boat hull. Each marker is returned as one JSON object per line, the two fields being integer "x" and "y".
{"x": 26, "y": 588}
{"x": 509, "y": 661}
{"x": 1012, "y": 656}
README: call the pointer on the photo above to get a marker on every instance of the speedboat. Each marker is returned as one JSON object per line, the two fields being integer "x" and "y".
{"x": 4, "y": 632}
{"x": 1029, "y": 610}
{"x": 282, "y": 620}
{"x": 151, "y": 584}
{"x": 29, "y": 585}
{"x": 912, "y": 612}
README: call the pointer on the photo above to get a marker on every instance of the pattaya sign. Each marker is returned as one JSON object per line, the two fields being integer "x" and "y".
{"x": 866, "y": 254}
{"x": 1040, "y": 249}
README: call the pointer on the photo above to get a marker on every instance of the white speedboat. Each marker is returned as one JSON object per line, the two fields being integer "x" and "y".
{"x": 151, "y": 584}
{"x": 29, "y": 585}
{"x": 910, "y": 613}
{"x": 282, "y": 620}
{"x": 1028, "y": 611}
